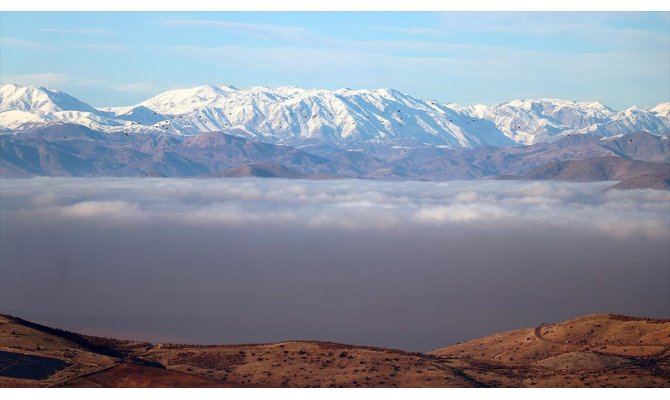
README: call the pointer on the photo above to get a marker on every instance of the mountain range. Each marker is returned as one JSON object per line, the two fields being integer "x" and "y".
{"x": 291, "y": 115}
{"x": 298, "y": 133}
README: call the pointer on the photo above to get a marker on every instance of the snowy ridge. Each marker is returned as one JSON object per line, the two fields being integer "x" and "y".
{"x": 23, "y": 108}
{"x": 293, "y": 115}
{"x": 39, "y": 99}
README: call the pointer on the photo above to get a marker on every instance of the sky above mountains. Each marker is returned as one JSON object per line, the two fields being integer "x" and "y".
{"x": 105, "y": 59}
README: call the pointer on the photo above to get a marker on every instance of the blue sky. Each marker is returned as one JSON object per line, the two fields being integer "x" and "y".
{"x": 121, "y": 58}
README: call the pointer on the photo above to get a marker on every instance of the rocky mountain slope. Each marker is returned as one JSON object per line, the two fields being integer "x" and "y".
{"x": 74, "y": 150}
{"x": 597, "y": 169}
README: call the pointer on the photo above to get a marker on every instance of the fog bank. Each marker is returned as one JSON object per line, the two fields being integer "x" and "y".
{"x": 414, "y": 265}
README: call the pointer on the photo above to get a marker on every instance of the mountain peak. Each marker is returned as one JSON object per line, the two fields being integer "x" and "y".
{"x": 39, "y": 98}
{"x": 662, "y": 109}
{"x": 228, "y": 87}
{"x": 634, "y": 109}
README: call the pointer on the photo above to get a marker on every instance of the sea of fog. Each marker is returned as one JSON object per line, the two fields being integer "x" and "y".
{"x": 411, "y": 265}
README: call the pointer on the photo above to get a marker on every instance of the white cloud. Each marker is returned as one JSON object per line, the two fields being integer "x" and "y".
{"x": 130, "y": 87}
{"x": 21, "y": 43}
{"x": 78, "y": 31}
{"x": 483, "y": 73}
{"x": 51, "y": 79}
{"x": 94, "y": 209}
{"x": 347, "y": 205}
{"x": 60, "y": 81}
{"x": 139, "y": 87}
{"x": 461, "y": 213}
{"x": 134, "y": 87}
{"x": 263, "y": 30}
{"x": 101, "y": 46}
{"x": 411, "y": 30}
{"x": 591, "y": 25}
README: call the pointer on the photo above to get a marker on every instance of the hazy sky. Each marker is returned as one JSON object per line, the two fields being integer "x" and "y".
{"x": 412, "y": 265}
{"x": 109, "y": 59}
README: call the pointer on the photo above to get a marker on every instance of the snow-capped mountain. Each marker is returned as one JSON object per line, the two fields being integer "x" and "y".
{"x": 541, "y": 120}
{"x": 662, "y": 109}
{"x": 291, "y": 115}
{"x": 26, "y": 107}
{"x": 39, "y": 99}
{"x": 635, "y": 119}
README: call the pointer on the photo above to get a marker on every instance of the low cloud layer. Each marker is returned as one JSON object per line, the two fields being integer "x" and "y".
{"x": 413, "y": 265}
{"x": 348, "y": 205}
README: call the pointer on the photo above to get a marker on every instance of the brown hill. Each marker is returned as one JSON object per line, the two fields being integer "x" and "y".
{"x": 126, "y": 375}
{"x": 658, "y": 182}
{"x": 597, "y": 169}
{"x": 262, "y": 171}
{"x": 596, "y": 350}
